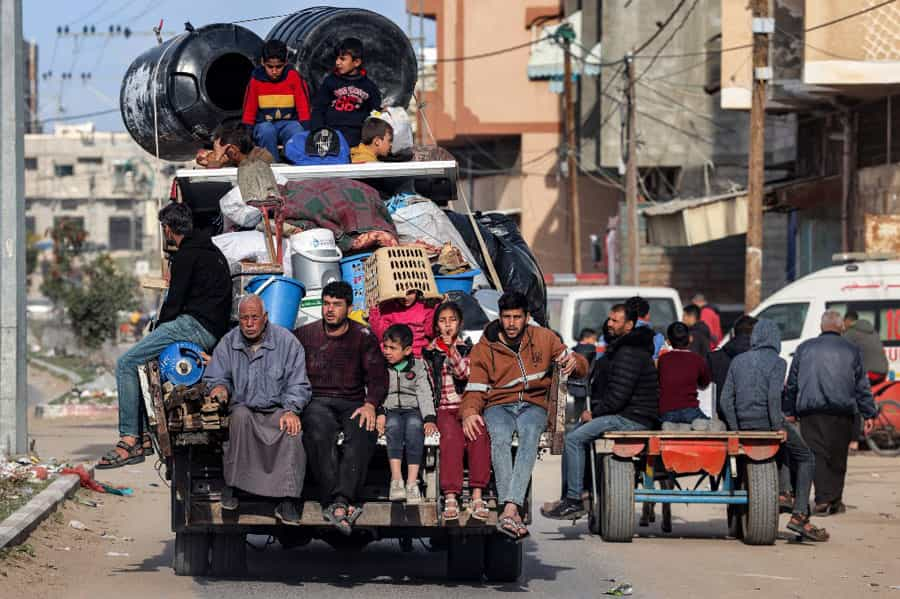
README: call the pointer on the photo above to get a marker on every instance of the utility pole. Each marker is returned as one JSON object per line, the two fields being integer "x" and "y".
{"x": 13, "y": 392}
{"x": 631, "y": 175}
{"x": 567, "y": 34}
{"x": 763, "y": 27}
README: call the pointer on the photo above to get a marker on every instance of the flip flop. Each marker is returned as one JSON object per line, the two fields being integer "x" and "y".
{"x": 341, "y": 523}
{"x": 353, "y": 516}
{"x": 509, "y": 527}
{"x": 479, "y": 509}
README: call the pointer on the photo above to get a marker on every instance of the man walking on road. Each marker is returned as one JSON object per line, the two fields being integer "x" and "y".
{"x": 710, "y": 316}
{"x": 826, "y": 387}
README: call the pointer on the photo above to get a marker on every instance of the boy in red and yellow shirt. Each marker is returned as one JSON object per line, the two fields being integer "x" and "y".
{"x": 276, "y": 103}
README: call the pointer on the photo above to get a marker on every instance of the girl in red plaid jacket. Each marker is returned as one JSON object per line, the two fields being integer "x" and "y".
{"x": 448, "y": 357}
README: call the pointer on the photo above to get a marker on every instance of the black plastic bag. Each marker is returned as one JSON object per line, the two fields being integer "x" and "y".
{"x": 515, "y": 264}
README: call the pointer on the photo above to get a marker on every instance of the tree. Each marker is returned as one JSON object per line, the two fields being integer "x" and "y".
{"x": 94, "y": 305}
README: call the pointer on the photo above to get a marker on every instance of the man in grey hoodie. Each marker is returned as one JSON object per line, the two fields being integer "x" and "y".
{"x": 751, "y": 400}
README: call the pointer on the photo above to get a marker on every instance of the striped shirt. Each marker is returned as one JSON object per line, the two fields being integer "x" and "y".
{"x": 455, "y": 368}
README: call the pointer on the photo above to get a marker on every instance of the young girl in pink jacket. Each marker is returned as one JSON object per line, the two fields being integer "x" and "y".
{"x": 411, "y": 311}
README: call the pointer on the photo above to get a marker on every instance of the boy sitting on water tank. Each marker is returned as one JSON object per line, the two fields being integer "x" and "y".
{"x": 347, "y": 96}
{"x": 375, "y": 142}
{"x": 276, "y": 103}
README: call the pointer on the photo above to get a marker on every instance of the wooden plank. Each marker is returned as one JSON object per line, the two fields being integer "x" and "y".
{"x": 694, "y": 435}
{"x": 556, "y": 412}
{"x": 154, "y": 283}
{"x": 159, "y": 409}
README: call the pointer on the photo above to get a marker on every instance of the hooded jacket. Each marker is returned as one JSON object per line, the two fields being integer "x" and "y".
{"x": 282, "y": 99}
{"x": 632, "y": 384}
{"x": 410, "y": 388}
{"x": 827, "y": 377}
{"x": 751, "y": 397}
{"x": 862, "y": 334}
{"x": 720, "y": 360}
{"x": 343, "y": 102}
{"x": 701, "y": 339}
{"x": 498, "y": 375}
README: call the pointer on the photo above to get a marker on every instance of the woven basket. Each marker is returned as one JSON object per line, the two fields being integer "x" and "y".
{"x": 392, "y": 272}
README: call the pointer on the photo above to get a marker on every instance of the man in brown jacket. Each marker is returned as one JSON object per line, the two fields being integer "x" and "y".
{"x": 510, "y": 374}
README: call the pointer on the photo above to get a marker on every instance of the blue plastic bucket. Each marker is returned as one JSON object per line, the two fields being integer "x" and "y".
{"x": 353, "y": 271}
{"x": 281, "y": 297}
{"x": 459, "y": 282}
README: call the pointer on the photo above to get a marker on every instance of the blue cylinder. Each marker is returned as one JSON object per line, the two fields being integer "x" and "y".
{"x": 281, "y": 297}
{"x": 181, "y": 363}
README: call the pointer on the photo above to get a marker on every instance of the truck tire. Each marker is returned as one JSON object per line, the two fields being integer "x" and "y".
{"x": 760, "y": 517}
{"x": 465, "y": 557}
{"x": 503, "y": 558}
{"x": 191, "y": 554}
{"x": 617, "y": 512}
{"x": 229, "y": 555}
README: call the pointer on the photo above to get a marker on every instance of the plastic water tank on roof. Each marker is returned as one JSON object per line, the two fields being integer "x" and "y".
{"x": 187, "y": 86}
{"x": 313, "y": 35}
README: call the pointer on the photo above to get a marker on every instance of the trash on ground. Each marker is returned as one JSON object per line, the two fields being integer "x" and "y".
{"x": 115, "y": 554}
{"x": 78, "y": 525}
{"x": 88, "y": 482}
{"x": 621, "y": 590}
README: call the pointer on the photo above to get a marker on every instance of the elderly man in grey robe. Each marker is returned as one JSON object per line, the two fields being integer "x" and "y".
{"x": 259, "y": 368}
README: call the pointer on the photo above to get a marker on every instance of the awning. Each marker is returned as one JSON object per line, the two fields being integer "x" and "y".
{"x": 693, "y": 221}
{"x": 547, "y": 56}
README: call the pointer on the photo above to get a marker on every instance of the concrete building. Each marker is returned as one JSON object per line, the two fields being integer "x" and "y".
{"x": 102, "y": 180}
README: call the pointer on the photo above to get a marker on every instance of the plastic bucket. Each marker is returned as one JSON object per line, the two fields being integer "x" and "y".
{"x": 281, "y": 296}
{"x": 459, "y": 282}
{"x": 353, "y": 271}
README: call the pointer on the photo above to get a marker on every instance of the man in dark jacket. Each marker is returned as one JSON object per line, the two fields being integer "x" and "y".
{"x": 826, "y": 387}
{"x": 720, "y": 360}
{"x": 197, "y": 309}
{"x": 751, "y": 401}
{"x": 700, "y": 335}
{"x": 630, "y": 402}
{"x": 862, "y": 334}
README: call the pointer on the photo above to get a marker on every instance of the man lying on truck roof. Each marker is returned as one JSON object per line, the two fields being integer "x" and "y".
{"x": 197, "y": 309}
{"x": 259, "y": 368}
{"x": 508, "y": 384}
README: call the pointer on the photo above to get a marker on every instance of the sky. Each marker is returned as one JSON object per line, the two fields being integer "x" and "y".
{"x": 107, "y": 58}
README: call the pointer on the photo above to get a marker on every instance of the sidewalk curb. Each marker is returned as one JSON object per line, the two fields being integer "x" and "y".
{"x": 16, "y": 528}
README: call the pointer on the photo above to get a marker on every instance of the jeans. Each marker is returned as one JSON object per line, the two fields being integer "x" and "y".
{"x": 269, "y": 134}
{"x": 340, "y": 474}
{"x": 803, "y": 467}
{"x": 684, "y": 415}
{"x": 529, "y": 421}
{"x": 580, "y": 437}
{"x": 404, "y": 428}
{"x": 128, "y": 386}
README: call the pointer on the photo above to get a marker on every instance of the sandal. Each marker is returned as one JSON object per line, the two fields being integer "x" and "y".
{"x": 339, "y": 522}
{"x": 806, "y": 529}
{"x": 479, "y": 509}
{"x": 353, "y": 514}
{"x": 113, "y": 459}
{"x": 147, "y": 444}
{"x": 451, "y": 509}
{"x": 522, "y": 532}
{"x": 508, "y": 526}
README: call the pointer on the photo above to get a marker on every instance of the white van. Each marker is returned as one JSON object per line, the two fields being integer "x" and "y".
{"x": 871, "y": 288}
{"x": 571, "y": 309}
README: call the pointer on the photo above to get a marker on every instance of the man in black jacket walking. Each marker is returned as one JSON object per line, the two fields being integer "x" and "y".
{"x": 197, "y": 309}
{"x": 630, "y": 402}
{"x": 826, "y": 387}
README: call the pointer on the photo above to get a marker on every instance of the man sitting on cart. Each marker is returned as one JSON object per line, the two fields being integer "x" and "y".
{"x": 630, "y": 402}
{"x": 508, "y": 383}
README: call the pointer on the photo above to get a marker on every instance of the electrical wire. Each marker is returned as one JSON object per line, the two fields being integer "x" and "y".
{"x": 73, "y": 117}
{"x": 660, "y": 29}
{"x": 89, "y": 13}
{"x": 669, "y": 39}
{"x": 849, "y": 16}
{"x": 688, "y": 109}
{"x": 494, "y": 52}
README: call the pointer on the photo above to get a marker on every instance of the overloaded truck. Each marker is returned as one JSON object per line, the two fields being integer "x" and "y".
{"x": 173, "y": 97}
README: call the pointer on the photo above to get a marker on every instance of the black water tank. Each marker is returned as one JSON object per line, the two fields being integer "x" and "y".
{"x": 197, "y": 79}
{"x": 313, "y": 35}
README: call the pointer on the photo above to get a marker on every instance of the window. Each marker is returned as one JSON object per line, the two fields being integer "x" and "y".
{"x": 63, "y": 170}
{"x": 76, "y": 221}
{"x": 592, "y": 313}
{"x": 120, "y": 233}
{"x": 554, "y": 313}
{"x": 69, "y": 204}
{"x": 30, "y": 225}
{"x": 31, "y": 163}
{"x": 883, "y": 314}
{"x": 788, "y": 317}
{"x": 96, "y": 160}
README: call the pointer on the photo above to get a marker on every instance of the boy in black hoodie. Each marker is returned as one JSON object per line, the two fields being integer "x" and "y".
{"x": 347, "y": 96}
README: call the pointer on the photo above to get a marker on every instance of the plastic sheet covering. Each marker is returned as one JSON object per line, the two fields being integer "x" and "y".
{"x": 250, "y": 245}
{"x": 426, "y": 221}
{"x": 516, "y": 265}
{"x": 238, "y": 212}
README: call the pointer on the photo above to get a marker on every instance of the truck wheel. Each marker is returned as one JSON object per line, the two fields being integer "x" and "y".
{"x": 760, "y": 517}
{"x": 191, "y": 554}
{"x": 465, "y": 557}
{"x": 617, "y": 512}
{"x": 503, "y": 558}
{"x": 229, "y": 555}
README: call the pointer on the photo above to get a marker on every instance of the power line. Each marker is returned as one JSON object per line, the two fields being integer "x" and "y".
{"x": 662, "y": 26}
{"x": 254, "y": 19}
{"x": 89, "y": 13}
{"x": 73, "y": 117}
{"x": 669, "y": 39}
{"x": 849, "y": 16}
{"x": 494, "y": 52}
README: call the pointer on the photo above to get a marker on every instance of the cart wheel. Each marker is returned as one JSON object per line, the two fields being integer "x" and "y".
{"x": 191, "y": 554}
{"x": 760, "y": 517}
{"x": 735, "y": 521}
{"x": 465, "y": 557}
{"x": 885, "y": 439}
{"x": 617, "y": 515}
{"x": 229, "y": 555}
{"x": 503, "y": 558}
